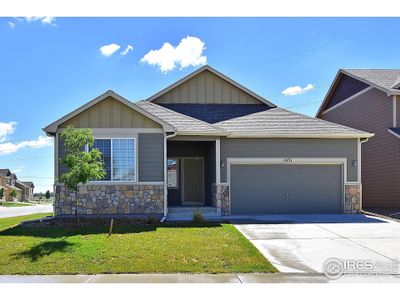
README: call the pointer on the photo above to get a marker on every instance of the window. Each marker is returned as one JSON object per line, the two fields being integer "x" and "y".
{"x": 123, "y": 160}
{"x": 119, "y": 156}
{"x": 172, "y": 168}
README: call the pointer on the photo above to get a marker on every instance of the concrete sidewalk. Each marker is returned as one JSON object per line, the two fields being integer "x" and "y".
{"x": 7, "y": 212}
{"x": 196, "y": 278}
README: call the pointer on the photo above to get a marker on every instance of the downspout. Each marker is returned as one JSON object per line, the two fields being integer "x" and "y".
{"x": 361, "y": 141}
{"x": 166, "y": 137}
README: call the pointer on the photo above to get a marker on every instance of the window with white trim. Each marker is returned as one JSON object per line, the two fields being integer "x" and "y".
{"x": 119, "y": 157}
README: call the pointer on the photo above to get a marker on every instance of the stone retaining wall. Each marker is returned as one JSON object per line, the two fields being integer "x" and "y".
{"x": 352, "y": 198}
{"x": 110, "y": 199}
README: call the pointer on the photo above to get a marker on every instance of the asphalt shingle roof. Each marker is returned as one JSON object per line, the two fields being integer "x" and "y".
{"x": 278, "y": 121}
{"x": 180, "y": 122}
{"x": 270, "y": 122}
{"x": 386, "y": 78}
{"x": 28, "y": 183}
{"x": 5, "y": 172}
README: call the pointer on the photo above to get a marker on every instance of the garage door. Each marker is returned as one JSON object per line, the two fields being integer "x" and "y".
{"x": 286, "y": 189}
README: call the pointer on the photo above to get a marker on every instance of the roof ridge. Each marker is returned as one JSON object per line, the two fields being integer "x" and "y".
{"x": 186, "y": 116}
{"x": 216, "y": 73}
{"x": 396, "y": 69}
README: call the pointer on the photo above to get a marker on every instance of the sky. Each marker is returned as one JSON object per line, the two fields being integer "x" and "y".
{"x": 50, "y": 66}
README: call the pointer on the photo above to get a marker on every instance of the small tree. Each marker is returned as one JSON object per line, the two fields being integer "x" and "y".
{"x": 13, "y": 193}
{"x": 1, "y": 194}
{"x": 47, "y": 194}
{"x": 82, "y": 166}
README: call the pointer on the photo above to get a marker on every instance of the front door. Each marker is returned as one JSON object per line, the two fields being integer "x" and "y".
{"x": 193, "y": 181}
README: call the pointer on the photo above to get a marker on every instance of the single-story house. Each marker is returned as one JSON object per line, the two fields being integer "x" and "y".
{"x": 208, "y": 141}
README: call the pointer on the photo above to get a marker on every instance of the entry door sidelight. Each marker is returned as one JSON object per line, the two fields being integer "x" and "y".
{"x": 193, "y": 181}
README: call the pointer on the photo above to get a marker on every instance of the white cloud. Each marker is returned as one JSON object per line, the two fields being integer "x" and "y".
{"x": 127, "y": 50}
{"x": 6, "y": 129}
{"x": 40, "y": 142}
{"x": 108, "y": 50}
{"x": 188, "y": 53}
{"x": 44, "y": 20}
{"x": 11, "y": 24}
{"x": 19, "y": 169}
{"x": 294, "y": 90}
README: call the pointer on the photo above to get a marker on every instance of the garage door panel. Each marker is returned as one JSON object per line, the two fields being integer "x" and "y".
{"x": 286, "y": 189}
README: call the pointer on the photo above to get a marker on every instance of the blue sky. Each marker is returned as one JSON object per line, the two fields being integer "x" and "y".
{"x": 51, "y": 66}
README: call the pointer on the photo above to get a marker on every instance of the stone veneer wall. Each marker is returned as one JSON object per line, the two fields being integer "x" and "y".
{"x": 110, "y": 199}
{"x": 220, "y": 196}
{"x": 352, "y": 198}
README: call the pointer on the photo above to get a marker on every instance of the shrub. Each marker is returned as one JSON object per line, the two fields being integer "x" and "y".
{"x": 198, "y": 218}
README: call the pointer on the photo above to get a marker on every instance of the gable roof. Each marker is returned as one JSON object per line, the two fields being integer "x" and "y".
{"x": 182, "y": 123}
{"x": 52, "y": 128}
{"x": 278, "y": 122}
{"x": 28, "y": 184}
{"x": 386, "y": 80}
{"x": 218, "y": 74}
{"x": 5, "y": 172}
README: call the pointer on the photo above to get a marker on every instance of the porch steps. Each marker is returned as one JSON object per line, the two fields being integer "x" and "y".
{"x": 185, "y": 213}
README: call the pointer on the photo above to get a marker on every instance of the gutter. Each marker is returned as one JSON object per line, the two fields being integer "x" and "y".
{"x": 166, "y": 137}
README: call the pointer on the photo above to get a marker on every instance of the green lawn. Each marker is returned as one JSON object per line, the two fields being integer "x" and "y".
{"x": 14, "y": 204}
{"x": 209, "y": 248}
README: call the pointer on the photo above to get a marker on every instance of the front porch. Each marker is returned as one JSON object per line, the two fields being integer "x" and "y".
{"x": 192, "y": 178}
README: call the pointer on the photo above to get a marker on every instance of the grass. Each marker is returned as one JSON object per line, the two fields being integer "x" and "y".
{"x": 169, "y": 248}
{"x": 14, "y": 204}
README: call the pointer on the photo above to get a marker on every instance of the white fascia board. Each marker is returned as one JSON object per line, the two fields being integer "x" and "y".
{"x": 347, "y": 100}
{"x": 394, "y": 133}
{"x": 203, "y": 133}
{"x": 394, "y": 108}
{"x": 53, "y": 126}
{"x": 217, "y": 73}
{"x": 294, "y": 136}
{"x": 328, "y": 93}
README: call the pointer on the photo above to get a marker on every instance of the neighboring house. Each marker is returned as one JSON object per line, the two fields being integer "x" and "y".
{"x": 26, "y": 188}
{"x": 208, "y": 141}
{"x": 8, "y": 181}
{"x": 368, "y": 99}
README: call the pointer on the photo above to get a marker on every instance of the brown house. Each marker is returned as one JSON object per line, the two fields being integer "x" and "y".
{"x": 368, "y": 99}
{"x": 9, "y": 181}
{"x": 26, "y": 190}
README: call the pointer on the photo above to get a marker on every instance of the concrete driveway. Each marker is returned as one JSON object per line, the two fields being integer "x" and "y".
{"x": 6, "y": 212}
{"x": 302, "y": 243}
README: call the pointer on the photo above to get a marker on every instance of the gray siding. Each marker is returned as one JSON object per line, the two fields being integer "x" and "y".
{"x": 61, "y": 153}
{"x": 300, "y": 148}
{"x": 151, "y": 156}
{"x": 207, "y": 88}
{"x": 373, "y": 112}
